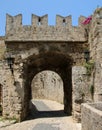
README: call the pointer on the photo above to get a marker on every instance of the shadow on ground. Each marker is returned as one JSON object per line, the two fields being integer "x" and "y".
{"x": 35, "y": 113}
{"x": 45, "y": 114}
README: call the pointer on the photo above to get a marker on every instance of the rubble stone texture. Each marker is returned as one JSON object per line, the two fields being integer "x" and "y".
{"x": 95, "y": 40}
{"x": 92, "y": 116}
{"x": 47, "y": 85}
{"x": 60, "y": 49}
{"x": 81, "y": 92}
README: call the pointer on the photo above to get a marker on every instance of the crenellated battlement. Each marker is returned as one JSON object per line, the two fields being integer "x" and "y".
{"x": 13, "y": 21}
{"x": 39, "y": 30}
{"x": 63, "y": 21}
{"x": 16, "y": 21}
{"x": 38, "y": 21}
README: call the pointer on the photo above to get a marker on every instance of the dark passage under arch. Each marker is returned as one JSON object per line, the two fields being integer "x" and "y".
{"x": 56, "y": 62}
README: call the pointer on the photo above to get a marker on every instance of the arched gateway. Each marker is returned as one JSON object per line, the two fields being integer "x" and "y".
{"x": 49, "y": 61}
{"x": 37, "y": 48}
{"x": 56, "y": 62}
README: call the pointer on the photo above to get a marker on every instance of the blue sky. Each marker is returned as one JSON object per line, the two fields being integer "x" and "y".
{"x": 42, "y": 7}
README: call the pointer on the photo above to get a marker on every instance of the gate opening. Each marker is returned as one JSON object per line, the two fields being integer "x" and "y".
{"x": 47, "y": 94}
{"x": 45, "y": 66}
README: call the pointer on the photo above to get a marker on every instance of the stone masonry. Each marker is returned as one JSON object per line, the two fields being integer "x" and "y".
{"x": 37, "y": 48}
{"x": 95, "y": 42}
{"x": 92, "y": 116}
{"x": 47, "y": 85}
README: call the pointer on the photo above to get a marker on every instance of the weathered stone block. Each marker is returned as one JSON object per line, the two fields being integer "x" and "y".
{"x": 92, "y": 116}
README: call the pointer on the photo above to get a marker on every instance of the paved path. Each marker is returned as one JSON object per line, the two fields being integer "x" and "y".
{"x": 48, "y": 115}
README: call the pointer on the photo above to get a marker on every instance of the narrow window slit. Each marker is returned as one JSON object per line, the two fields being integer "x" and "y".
{"x": 39, "y": 21}
{"x": 64, "y": 22}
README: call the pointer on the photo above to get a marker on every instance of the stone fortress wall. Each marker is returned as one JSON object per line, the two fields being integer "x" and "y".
{"x": 92, "y": 116}
{"x": 40, "y": 31}
{"x": 92, "y": 113}
{"x": 95, "y": 42}
{"x": 30, "y": 44}
{"x": 25, "y": 42}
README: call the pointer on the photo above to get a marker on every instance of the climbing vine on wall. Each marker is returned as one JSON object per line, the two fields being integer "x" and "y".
{"x": 89, "y": 67}
{"x": 90, "y": 70}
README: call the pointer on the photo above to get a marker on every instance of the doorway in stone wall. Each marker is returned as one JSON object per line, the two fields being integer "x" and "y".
{"x": 47, "y": 95}
{"x": 56, "y": 64}
{"x": 1, "y": 99}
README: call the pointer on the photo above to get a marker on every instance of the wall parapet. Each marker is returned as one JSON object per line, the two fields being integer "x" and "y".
{"x": 41, "y": 31}
{"x": 92, "y": 116}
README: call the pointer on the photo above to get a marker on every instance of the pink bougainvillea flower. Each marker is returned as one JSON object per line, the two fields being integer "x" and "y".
{"x": 87, "y": 20}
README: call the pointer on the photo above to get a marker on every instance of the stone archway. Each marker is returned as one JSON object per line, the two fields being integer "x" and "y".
{"x": 46, "y": 87}
{"x": 57, "y": 62}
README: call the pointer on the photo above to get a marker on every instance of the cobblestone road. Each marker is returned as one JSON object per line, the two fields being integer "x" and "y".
{"x": 48, "y": 115}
